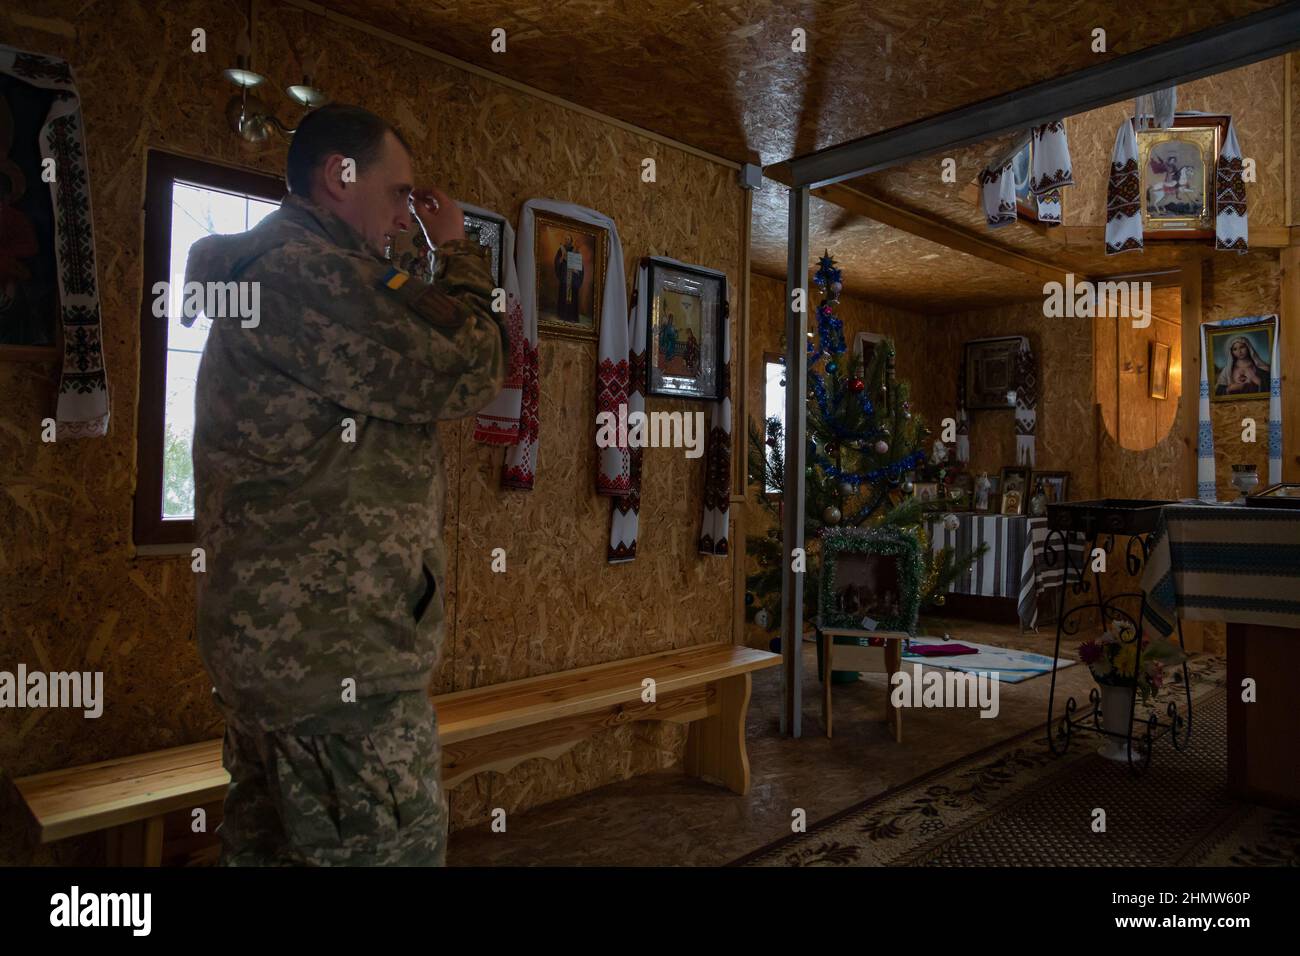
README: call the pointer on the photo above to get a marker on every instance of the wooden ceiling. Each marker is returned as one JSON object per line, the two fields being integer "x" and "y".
{"x": 721, "y": 75}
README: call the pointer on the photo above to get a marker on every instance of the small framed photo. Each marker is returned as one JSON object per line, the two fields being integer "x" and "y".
{"x": 960, "y": 492}
{"x": 1015, "y": 490}
{"x": 1158, "y": 367}
{"x": 487, "y": 231}
{"x": 1239, "y": 356}
{"x": 1177, "y": 166}
{"x": 991, "y": 373}
{"x": 1056, "y": 485}
{"x": 926, "y": 491}
{"x": 684, "y": 331}
{"x": 570, "y": 259}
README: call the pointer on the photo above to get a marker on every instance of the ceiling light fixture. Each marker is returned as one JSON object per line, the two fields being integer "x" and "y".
{"x": 247, "y": 113}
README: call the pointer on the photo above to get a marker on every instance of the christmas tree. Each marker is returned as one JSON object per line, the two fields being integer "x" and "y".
{"x": 864, "y": 448}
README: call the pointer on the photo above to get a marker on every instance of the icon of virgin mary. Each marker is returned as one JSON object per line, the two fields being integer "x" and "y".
{"x": 1246, "y": 373}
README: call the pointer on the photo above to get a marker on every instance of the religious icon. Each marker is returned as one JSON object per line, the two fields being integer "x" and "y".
{"x": 570, "y": 260}
{"x": 1158, "y": 368}
{"x": 991, "y": 372}
{"x": 1015, "y": 490}
{"x": 487, "y": 231}
{"x": 1056, "y": 485}
{"x": 29, "y": 295}
{"x": 684, "y": 336}
{"x": 1239, "y": 358}
{"x": 1177, "y": 167}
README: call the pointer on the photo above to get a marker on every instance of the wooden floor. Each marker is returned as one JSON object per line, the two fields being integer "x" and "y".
{"x": 668, "y": 819}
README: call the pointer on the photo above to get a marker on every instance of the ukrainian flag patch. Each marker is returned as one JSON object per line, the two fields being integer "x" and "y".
{"x": 395, "y": 278}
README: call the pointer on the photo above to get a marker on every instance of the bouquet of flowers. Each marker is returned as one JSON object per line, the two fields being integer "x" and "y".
{"x": 1112, "y": 659}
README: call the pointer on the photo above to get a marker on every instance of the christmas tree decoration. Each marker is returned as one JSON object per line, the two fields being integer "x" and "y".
{"x": 859, "y": 450}
{"x": 951, "y": 521}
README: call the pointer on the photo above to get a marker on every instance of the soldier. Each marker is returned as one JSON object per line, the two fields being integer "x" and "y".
{"x": 319, "y": 493}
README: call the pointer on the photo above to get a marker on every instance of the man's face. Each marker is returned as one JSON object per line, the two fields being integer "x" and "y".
{"x": 376, "y": 204}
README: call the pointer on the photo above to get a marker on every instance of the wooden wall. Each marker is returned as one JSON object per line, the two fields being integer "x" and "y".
{"x": 1143, "y": 450}
{"x": 75, "y": 596}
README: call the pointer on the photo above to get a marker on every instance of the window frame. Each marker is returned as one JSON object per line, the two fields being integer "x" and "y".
{"x": 163, "y": 171}
{"x": 769, "y": 358}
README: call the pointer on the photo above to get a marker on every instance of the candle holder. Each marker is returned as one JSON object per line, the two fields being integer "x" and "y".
{"x": 1245, "y": 478}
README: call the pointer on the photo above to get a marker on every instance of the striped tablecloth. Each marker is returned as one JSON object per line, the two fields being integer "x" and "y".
{"x": 1013, "y": 566}
{"x": 1224, "y": 563}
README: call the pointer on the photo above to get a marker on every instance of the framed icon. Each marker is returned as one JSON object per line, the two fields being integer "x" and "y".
{"x": 991, "y": 372}
{"x": 1239, "y": 357}
{"x": 570, "y": 260}
{"x": 487, "y": 231}
{"x": 1158, "y": 370}
{"x": 1177, "y": 166}
{"x": 684, "y": 332}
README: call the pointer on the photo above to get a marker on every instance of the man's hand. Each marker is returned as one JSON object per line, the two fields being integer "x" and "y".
{"x": 442, "y": 216}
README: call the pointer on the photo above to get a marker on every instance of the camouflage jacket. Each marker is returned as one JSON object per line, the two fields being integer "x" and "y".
{"x": 324, "y": 556}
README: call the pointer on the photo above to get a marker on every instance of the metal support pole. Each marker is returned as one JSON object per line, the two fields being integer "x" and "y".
{"x": 792, "y": 526}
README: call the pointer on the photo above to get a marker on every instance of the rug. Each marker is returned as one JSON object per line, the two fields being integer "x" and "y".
{"x": 1014, "y": 804}
{"x": 1010, "y": 665}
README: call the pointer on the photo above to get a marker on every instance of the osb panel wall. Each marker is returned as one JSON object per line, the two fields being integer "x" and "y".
{"x": 74, "y": 595}
{"x": 1234, "y": 286}
{"x": 1143, "y": 450}
{"x": 1066, "y": 427}
{"x": 1253, "y": 95}
{"x": 767, "y": 334}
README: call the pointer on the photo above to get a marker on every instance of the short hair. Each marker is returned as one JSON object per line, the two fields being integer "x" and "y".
{"x": 335, "y": 128}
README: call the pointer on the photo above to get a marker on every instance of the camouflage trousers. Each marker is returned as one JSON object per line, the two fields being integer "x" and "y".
{"x": 364, "y": 799}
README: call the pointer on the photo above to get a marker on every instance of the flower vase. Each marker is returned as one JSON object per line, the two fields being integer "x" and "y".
{"x": 1116, "y": 718}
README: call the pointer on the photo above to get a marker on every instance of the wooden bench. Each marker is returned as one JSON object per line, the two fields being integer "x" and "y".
{"x": 488, "y": 728}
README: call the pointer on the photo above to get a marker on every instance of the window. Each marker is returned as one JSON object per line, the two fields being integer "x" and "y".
{"x": 774, "y": 398}
{"x": 185, "y": 200}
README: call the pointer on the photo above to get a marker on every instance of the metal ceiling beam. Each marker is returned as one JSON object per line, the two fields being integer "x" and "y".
{"x": 1237, "y": 43}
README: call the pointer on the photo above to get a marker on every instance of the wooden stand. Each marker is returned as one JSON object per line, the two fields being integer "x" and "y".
{"x": 886, "y": 660}
{"x": 1263, "y": 736}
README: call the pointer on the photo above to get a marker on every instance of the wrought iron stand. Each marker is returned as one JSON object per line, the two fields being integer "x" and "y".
{"x": 1104, "y": 521}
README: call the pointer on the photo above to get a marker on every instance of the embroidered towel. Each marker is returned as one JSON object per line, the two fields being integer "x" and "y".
{"x": 82, "y": 407}
{"x": 1123, "y": 214}
{"x": 998, "y": 193}
{"x": 612, "y": 464}
{"x": 1051, "y": 170}
{"x": 717, "y": 455}
{"x": 498, "y": 422}
{"x": 1230, "y": 223}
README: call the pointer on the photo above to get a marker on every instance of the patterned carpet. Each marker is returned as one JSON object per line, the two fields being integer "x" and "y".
{"x": 1015, "y": 804}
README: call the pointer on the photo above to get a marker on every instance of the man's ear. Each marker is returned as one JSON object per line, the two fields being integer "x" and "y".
{"x": 337, "y": 174}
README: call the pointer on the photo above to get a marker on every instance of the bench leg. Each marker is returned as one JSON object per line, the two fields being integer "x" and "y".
{"x": 715, "y": 746}
{"x": 136, "y": 844}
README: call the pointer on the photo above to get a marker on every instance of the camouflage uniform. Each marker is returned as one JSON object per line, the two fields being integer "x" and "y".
{"x": 324, "y": 558}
